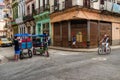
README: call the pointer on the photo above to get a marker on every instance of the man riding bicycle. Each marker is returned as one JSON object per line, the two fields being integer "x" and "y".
{"x": 105, "y": 41}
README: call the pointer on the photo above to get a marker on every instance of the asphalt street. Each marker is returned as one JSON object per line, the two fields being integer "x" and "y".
{"x": 62, "y": 65}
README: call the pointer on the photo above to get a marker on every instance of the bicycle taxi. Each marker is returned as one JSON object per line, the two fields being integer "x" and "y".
{"x": 40, "y": 44}
{"x": 26, "y": 44}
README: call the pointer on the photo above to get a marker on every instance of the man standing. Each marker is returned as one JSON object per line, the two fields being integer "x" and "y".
{"x": 74, "y": 42}
{"x": 16, "y": 48}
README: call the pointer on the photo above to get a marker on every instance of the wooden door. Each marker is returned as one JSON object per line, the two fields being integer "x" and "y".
{"x": 79, "y": 29}
{"x": 65, "y": 34}
{"x": 105, "y": 28}
{"x": 56, "y": 33}
{"x": 93, "y": 34}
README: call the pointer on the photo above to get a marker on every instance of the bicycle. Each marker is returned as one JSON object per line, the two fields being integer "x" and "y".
{"x": 103, "y": 50}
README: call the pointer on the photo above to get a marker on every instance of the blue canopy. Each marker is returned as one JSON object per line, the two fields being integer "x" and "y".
{"x": 23, "y": 35}
{"x": 39, "y": 35}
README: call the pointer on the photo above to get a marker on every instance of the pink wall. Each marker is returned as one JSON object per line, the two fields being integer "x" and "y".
{"x": 116, "y": 33}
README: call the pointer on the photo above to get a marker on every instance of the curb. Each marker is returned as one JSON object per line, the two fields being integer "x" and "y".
{"x": 73, "y": 50}
{"x": 3, "y": 59}
{"x": 80, "y": 50}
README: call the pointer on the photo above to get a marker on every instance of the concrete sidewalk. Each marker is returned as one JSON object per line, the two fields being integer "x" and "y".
{"x": 80, "y": 50}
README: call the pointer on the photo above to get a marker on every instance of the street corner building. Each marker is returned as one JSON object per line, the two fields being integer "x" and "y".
{"x": 87, "y": 20}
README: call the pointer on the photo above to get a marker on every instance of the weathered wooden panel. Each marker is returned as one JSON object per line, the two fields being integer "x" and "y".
{"x": 56, "y": 37}
{"x": 105, "y": 28}
{"x": 93, "y": 34}
{"x": 65, "y": 34}
{"x": 79, "y": 28}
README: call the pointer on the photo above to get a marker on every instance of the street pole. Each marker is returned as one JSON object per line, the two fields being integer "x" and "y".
{"x": 119, "y": 34}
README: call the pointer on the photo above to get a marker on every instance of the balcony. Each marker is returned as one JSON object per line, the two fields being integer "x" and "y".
{"x": 65, "y": 5}
{"x": 28, "y": 17}
{"x": 6, "y": 10}
{"x": 61, "y": 6}
{"x": 55, "y": 8}
{"x": 110, "y": 7}
{"x": 14, "y": 2}
{"x": 116, "y": 8}
{"x": 47, "y": 7}
{"x": 42, "y": 9}
{"x": 6, "y": 16}
{"x": 13, "y": 22}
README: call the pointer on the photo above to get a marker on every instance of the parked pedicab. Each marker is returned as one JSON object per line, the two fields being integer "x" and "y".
{"x": 40, "y": 44}
{"x": 26, "y": 44}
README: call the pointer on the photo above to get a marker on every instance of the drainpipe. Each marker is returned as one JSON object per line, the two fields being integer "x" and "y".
{"x": 98, "y": 32}
{"x": 61, "y": 33}
{"x": 52, "y": 31}
{"x": 41, "y": 28}
{"x": 69, "y": 33}
{"x": 88, "y": 33}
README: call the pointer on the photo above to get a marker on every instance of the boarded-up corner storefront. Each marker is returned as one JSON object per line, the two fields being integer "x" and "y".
{"x": 87, "y": 27}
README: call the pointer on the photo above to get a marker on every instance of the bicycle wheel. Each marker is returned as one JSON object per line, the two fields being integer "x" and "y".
{"x": 100, "y": 51}
{"x": 30, "y": 53}
{"x": 21, "y": 56}
{"x": 34, "y": 51}
{"x": 108, "y": 50}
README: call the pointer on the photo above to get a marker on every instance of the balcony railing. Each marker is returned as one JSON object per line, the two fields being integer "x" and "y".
{"x": 6, "y": 16}
{"x": 110, "y": 7}
{"x": 42, "y": 9}
{"x": 104, "y": 6}
{"x": 47, "y": 7}
{"x": 28, "y": 17}
{"x": 55, "y": 8}
{"x": 63, "y": 5}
